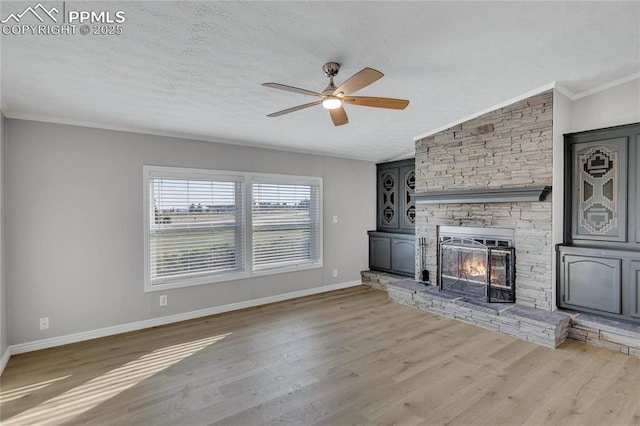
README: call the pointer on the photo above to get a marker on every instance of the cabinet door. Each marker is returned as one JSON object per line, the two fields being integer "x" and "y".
{"x": 600, "y": 190}
{"x": 592, "y": 282}
{"x": 404, "y": 256}
{"x": 634, "y": 290}
{"x": 637, "y": 172}
{"x": 388, "y": 199}
{"x": 407, "y": 209}
{"x": 380, "y": 253}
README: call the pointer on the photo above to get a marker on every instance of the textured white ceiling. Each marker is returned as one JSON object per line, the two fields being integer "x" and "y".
{"x": 195, "y": 68}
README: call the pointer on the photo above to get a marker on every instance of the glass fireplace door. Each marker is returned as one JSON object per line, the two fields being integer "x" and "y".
{"x": 475, "y": 270}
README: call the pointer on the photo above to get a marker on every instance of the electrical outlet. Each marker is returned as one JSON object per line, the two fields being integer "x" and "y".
{"x": 163, "y": 300}
{"x": 335, "y": 218}
{"x": 335, "y": 272}
{"x": 44, "y": 323}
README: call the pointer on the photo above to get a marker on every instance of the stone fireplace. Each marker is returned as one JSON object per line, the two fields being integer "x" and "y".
{"x": 481, "y": 204}
{"x": 507, "y": 148}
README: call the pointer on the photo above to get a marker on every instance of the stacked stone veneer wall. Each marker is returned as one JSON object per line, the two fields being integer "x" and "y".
{"x": 508, "y": 147}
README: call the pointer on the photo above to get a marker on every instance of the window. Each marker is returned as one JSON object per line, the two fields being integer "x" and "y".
{"x": 198, "y": 231}
{"x": 195, "y": 226}
{"x": 286, "y": 224}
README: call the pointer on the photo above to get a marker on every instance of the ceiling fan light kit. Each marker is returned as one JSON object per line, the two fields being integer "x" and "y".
{"x": 333, "y": 98}
{"x": 331, "y": 103}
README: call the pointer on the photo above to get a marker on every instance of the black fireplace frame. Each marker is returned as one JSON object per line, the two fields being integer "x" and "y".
{"x": 493, "y": 293}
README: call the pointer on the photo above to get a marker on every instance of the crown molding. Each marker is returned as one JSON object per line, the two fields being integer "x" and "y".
{"x": 169, "y": 134}
{"x": 560, "y": 87}
{"x": 565, "y": 91}
{"x": 606, "y": 86}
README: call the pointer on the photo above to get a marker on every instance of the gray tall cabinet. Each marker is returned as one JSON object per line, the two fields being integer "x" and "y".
{"x": 392, "y": 244}
{"x": 599, "y": 262}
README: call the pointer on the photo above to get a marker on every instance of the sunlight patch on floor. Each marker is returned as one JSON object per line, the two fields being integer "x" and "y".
{"x": 88, "y": 395}
{"x": 21, "y": 391}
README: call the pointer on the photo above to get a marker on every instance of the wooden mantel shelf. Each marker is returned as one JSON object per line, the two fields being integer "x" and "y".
{"x": 488, "y": 195}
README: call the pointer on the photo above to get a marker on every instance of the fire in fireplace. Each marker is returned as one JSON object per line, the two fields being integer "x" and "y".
{"x": 477, "y": 262}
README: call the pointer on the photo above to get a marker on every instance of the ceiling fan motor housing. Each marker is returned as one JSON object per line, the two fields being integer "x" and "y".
{"x": 331, "y": 69}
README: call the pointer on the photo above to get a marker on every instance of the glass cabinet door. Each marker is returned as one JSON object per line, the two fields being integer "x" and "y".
{"x": 408, "y": 214}
{"x": 388, "y": 199}
{"x": 599, "y": 190}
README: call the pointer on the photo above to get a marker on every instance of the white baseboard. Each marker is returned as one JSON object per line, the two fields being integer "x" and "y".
{"x": 154, "y": 322}
{"x": 5, "y": 359}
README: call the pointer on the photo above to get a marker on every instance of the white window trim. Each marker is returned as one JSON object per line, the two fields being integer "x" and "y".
{"x": 150, "y": 171}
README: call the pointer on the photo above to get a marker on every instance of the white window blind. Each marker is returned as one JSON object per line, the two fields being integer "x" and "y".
{"x": 196, "y": 227}
{"x": 286, "y": 224}
{"x": 205, "y": 226}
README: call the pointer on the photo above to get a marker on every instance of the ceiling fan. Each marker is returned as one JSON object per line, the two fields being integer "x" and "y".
{"x": 333, "y": 98}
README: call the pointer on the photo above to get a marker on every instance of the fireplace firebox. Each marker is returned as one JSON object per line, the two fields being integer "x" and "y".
{"x": 478, "y": 263}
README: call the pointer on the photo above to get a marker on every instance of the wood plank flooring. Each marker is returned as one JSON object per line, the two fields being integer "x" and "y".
{"x": 347, "y": 357}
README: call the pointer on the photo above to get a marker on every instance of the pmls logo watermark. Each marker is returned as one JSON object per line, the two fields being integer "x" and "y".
{"x": 62, "y": 18}
{"x": 93, "y": 17}
{"x": 38, "y": 11}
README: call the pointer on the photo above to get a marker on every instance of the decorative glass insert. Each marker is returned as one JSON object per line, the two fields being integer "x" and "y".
{"x": 388, "y": 197}
{"x": 598, "y": 168}
{"x": 410, "y": 186}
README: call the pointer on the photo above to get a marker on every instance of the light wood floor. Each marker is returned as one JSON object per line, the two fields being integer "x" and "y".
{"x": 341, "y": 358}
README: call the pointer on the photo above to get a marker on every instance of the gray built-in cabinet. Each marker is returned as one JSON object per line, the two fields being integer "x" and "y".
{"x": 599, "y": 262}
{"x": 392, "y": 244}
{"x": 392, "y": 252}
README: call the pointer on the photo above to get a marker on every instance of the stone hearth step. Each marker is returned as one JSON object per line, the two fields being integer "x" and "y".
{"x": 379, "y": 279}
{"x": 545, "y": 328}
{"x": 605, "y": 333}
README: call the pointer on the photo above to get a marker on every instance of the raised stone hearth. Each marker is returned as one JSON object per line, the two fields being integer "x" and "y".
{"x": 519, "y": 321}
{"x": 379, "y": 280}
{"x": 545, "y": 328}
{"x": 605, "y": 333}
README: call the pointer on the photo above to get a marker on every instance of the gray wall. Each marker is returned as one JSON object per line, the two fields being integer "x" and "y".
{"x": 3, "y": 281}
{"x": 612, "y": 107}
{"x": 74, "y": 218}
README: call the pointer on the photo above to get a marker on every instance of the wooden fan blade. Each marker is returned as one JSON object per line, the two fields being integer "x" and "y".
{"x": 376, "y": 102}
{"x": 294, "y": 109}
{"x": 291, "y": 89}
{"x": 339, "y": 116}
{"x": 361, "y": 79}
